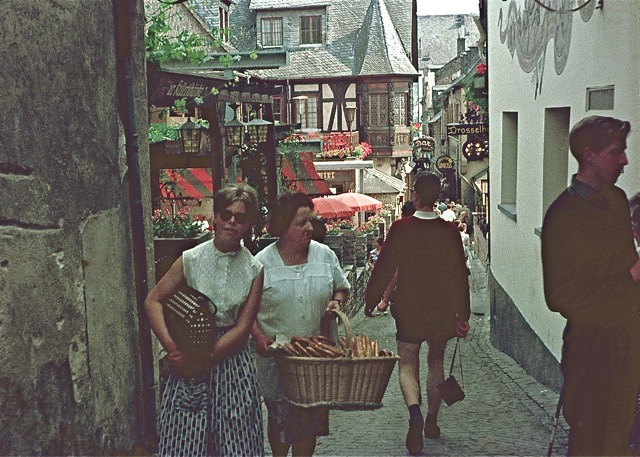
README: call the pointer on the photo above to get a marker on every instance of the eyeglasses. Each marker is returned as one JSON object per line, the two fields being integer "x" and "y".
{"x": 240, "y": 218}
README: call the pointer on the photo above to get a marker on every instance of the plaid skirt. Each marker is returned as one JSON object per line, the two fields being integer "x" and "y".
{"x": 219, "y": 414}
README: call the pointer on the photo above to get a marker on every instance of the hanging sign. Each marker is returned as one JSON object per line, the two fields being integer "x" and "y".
{"x": 425, "y": 143}
{"x": 444, "y": 164}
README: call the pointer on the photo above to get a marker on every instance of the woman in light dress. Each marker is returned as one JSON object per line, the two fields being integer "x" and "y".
{"x": 217, "y": 413}
{"x": 303, "y": 282}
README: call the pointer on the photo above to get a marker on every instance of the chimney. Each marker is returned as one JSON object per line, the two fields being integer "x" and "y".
{"x": 461, "y": 46}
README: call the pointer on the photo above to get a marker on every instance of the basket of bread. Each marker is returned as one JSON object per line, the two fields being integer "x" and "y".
{"x": 350, "y": 374}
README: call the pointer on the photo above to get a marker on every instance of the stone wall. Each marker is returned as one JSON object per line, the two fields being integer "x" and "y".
{"x": 70, "y": 379}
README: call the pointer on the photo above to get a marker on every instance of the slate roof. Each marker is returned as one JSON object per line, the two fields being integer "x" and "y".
{"x": 379, "y": 49}
{"x": 438, "y": 37}
{"x": 377, "y": 182}
{"x": 381, "y": 32}
{"x": 286, "y": 4}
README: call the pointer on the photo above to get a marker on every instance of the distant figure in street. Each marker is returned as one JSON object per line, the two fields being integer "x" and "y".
{"x": 431, "y": 300}
{"x": 375, "y": 252}
{"x": 319, "y": 230}
{"x": 449, "y": 214}
{"x": 591, "y": 277}
{"x": 408, "y": 209}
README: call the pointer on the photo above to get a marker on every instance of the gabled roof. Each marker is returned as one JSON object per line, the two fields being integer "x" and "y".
{"x": 349, "y": 25}
{"x": 379, "y": 50}
{"x": 438, "y": 37}
{"x": 286, "y": 4}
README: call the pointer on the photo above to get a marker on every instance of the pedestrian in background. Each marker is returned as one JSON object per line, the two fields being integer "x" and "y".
{"x": 375, "y": 252}
{"x": 591, "y": 277}
{"x": 303, "y": 282}
{"x": 432, "y": 301}
{"x": 218, "y": 413}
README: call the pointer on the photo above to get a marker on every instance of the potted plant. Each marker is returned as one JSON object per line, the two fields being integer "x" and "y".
{"x": 333, "y": 239}
{"x": 348, "y": 230}
{"x": 173, "y": 232}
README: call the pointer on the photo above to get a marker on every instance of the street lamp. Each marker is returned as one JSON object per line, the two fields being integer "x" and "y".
{"x": 190, "y": 134}
{"x": 235, "y": 129}
{"x": 257, "y": 129}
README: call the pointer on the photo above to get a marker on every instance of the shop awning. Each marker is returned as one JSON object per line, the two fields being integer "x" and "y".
{"x": 377, "y": 182}
{"x": 306, "y": 179}
{"x": 186, "y": 182}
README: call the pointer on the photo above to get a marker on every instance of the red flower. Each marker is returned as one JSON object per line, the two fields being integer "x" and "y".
{"x": 481, "y": 69}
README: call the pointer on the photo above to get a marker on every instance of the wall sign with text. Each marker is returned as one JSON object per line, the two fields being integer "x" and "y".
{"x": 467, "y": 129}
{"x": 444, "y": 164}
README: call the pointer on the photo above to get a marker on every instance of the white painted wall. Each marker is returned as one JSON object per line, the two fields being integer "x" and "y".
{"x": 602, "y": 51}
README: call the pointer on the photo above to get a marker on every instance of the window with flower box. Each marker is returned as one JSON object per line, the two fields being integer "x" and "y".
{"x": 271, "y": 31}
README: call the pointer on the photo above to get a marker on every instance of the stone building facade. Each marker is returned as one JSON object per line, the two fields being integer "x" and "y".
{"x": 70, "y": 367}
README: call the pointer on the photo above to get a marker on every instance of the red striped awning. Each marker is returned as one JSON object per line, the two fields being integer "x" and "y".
{"x": 307, "y": 179}
{"x": 186, "y": 182}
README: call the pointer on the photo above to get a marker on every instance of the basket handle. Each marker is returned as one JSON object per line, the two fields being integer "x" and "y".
{"x": 347, "y": 328}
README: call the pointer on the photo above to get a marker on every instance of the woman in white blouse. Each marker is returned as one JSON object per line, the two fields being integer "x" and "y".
{"x": 218, "y": 413}
{"x": 303, "y": 282}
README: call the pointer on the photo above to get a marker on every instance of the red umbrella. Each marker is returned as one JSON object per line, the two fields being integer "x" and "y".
{"x": 330, "y": 208}
{"x": 359, "y": 202}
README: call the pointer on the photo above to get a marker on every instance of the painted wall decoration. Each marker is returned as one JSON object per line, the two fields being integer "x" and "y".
{"x": 528, "y": 31}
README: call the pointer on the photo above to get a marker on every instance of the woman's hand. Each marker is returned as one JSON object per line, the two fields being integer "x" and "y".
{"x": 333, "y": 304}
{"x": 177, "y": 359}
{"x": 262, "y": 347}
{"x": 462, "y": 328}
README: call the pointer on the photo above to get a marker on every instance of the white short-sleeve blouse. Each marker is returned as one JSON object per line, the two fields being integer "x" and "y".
{"x": 224, "y": 277}
{"x": 293, "y": 301}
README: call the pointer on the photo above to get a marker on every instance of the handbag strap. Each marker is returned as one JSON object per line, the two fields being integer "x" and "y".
{"x": 453, "y": 359}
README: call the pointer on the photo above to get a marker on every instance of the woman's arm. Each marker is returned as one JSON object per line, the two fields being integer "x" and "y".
{"x": 233, "y": 341}
{"x": 338, "y": 298}
{"x": 166, "y": 287}
{"x": 262, "y": 341}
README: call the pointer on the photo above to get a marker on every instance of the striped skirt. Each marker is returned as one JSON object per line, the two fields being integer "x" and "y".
{"x": 219, "y": 415}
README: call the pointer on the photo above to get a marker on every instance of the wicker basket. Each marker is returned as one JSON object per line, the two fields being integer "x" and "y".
{"x": 350, "y": 383}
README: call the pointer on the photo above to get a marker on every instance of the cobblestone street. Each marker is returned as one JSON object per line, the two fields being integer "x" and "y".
{"x": 505, "y": 412}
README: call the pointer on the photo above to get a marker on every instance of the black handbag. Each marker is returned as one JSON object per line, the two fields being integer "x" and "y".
{"x": 192, "y": 326}
{"x": 450, "y": 389}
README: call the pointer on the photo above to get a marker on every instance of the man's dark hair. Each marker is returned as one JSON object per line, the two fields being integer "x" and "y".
{"x": 284, "y": 210}
{"x": 427, "y": 186}
{"x": 596, "y": 132}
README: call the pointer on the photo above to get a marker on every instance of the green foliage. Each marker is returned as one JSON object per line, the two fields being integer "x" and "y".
{"x": 163, "y": 45}
{"x": 162, "y": 132}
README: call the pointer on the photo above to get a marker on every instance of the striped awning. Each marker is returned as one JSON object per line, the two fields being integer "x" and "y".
{"x": 186, "y": 183}
{"x": 306, "y": 179}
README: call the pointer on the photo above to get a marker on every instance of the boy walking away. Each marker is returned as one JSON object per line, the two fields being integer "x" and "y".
{"x": 425, "y": 250}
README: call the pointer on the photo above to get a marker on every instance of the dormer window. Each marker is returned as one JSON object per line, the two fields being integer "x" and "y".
{"x": 310, "y": 29}
{"x": 271, "y": 31}
{"x": 223, "y": 22}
